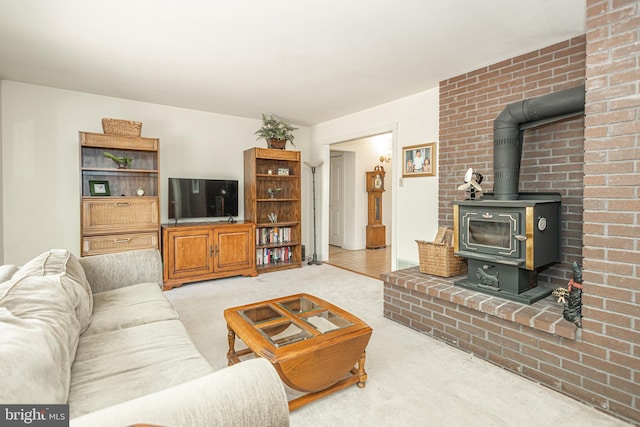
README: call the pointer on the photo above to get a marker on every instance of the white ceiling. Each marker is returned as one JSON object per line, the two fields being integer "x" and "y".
{"x": 305, "y": 61}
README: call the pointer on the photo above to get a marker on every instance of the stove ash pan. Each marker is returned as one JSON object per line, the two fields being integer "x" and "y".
{"x": 506, "y": 242}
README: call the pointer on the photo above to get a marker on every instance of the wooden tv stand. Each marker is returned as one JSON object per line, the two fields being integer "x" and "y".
{"x": 194, "y": 252}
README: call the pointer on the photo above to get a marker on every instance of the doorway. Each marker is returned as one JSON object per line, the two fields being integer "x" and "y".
{"x": 348, "y": 204}
{"x": 336, "y": 200}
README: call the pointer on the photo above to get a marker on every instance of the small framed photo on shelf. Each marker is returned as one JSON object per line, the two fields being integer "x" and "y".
{"x": 99, "y": 188}
{"x": 419, "y": 160}
{"x": 283, "y": 171}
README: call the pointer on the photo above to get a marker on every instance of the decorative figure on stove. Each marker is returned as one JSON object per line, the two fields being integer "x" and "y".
{"x": 487, "y": 280}
{"x": 572, "y": 297}
{"x": 472, "y": 183}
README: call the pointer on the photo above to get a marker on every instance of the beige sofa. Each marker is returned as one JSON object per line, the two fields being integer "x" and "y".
{"x": 98, "y": 333}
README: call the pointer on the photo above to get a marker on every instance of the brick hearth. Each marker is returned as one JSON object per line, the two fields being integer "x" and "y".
{"x": 470, "y": 320}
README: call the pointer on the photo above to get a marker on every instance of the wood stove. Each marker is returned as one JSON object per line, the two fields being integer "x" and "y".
{"x": 506, "y": 242}
{"x": 508, "y": 236}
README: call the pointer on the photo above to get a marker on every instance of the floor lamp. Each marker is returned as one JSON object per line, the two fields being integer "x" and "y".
{"x": 313, "y": 166}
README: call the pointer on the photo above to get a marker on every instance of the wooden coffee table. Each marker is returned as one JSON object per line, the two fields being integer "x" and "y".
{"x": 313, "y": 344}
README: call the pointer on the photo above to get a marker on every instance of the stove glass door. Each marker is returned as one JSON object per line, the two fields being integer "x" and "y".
{"x": 491, "y": 232}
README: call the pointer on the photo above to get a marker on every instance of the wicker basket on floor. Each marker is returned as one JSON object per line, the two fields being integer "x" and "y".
{"x": 437, "y": 257}
{"x": 121, "y": 127}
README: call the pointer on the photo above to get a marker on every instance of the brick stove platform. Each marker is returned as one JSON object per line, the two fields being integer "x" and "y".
{"x": 502, "y": 331}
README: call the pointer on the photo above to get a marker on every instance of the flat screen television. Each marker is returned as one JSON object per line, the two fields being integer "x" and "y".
{"x": 202, "y": 198}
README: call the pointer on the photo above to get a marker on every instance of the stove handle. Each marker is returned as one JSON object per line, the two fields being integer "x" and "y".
{"x": 520, "y": 237}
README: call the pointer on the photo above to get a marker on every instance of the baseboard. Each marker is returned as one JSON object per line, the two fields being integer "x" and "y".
{"x": 401, "y": 264}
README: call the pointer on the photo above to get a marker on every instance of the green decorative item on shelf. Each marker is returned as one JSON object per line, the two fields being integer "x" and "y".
{"x": 123, "y": 162}
{"x": 276, "y": 132}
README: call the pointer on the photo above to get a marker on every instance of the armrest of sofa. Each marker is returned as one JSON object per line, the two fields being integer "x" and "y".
{"x": 246, "y": 394}
{"x": 112, "y": 271}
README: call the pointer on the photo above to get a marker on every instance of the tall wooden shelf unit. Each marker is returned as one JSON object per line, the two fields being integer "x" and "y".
{"x": 123, "y": 220}
{"x": 278, "y": 243}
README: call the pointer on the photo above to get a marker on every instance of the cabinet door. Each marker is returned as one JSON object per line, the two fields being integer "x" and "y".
{"x": 188, "y": 253}
{"x": 119, "y": 215}
{"x": 94, "y": 245}
{"x": 233, "y": 248}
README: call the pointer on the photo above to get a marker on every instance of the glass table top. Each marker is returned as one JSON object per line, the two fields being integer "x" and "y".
{"x": 326, "y": 321}
{"x": 299, "y": 305}
{"x": 281, "y": 323}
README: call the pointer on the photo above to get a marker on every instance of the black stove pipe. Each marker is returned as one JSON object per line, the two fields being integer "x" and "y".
{"x": 508, "y": 137}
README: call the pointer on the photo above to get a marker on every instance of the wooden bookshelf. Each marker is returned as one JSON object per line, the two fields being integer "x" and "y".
{"x": 278, "y": 217}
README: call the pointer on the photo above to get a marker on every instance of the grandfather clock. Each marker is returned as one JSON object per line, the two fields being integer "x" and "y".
{"x": 376, "y": 232}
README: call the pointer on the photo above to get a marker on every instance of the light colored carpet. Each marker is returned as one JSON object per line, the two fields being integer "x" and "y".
{"x": 413, "y": 380}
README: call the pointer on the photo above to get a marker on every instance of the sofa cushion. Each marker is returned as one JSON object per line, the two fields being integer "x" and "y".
{"x": 7, "y": 271}
{"x": 117, "y": 366}
{"x": 64, "y": 265}
{"x": 129, "y": 306}
{"x": 40, "y": 333}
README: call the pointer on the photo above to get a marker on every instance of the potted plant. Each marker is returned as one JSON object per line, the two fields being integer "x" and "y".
{"x": 276, "y": 132}
{"x": 124, "y": 162}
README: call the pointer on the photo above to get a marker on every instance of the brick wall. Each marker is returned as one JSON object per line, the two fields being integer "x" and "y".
{"x": 594, "y": 162}
{"x": 552, "y": 155}
{"x": 612, "y": 201}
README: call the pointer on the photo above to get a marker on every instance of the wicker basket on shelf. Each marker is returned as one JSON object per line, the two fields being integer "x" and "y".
{"x": 437, "y": 258}
{"x": 121, "y": 127}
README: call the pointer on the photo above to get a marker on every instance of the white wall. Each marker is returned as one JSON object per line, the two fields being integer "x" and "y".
{"x": 413, "y": 120}
{"x": 40, "y": 158}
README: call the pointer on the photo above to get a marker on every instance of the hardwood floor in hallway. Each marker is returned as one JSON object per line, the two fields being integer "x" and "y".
{"x": 370, "y": 262}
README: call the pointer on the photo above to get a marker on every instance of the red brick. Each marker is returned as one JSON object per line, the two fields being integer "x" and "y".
{"x": 608, "y": 391}
{"x": 476, "y": 300}
{"x": 487, "y": 345}
{"x": 542, "y": 378}
{"x": 625, "y": 360}
{"x": 487, "y": 325}
{"x": 584, "y": 370}
{"x": 474, "y": 349}
{"x": 458, "y": 333}
{"x": 458, "y": 315}
{"x": 410, "y": 299}
{"x": 505, "y": 362}
{"x": 606, "y": 342}
{"x": 623, "y": 334}
{"x": 431, "y": 306}
{"x": 444, "y": 336}
{"x": 565, "y": 329}
{"x": 561, "y": 350}
{"x": 520, "y": 358}
{"x": 560, "y": 374}
{"x": 606, "y": 366}
{"x": 586, "y": 396}
{"x": 422, "y": 327}
{"x": 624, "y": 307}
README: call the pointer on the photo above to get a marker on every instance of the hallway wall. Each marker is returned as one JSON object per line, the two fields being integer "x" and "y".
{"x": 415, "y": 121}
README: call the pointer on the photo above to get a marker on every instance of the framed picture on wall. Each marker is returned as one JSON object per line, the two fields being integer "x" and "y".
{"x": 419, "y": 160}
{"x": 99, "y": 188}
